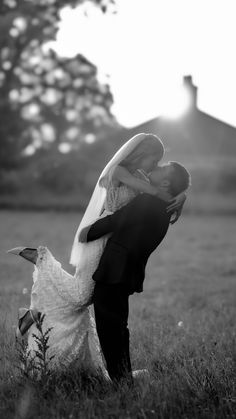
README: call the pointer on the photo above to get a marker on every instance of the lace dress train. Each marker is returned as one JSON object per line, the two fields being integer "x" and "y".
{"x": 66, "y": 303}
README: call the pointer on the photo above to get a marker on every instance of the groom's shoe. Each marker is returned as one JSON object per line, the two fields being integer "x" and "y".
{"x": 27, "y": 253}
{"x": 141, "y": 373}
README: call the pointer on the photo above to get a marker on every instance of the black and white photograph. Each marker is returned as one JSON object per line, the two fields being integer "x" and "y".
{"x": 117, "y": 209}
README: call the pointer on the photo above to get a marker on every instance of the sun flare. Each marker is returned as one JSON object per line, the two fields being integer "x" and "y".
{"x": 176, "y": 102}
{"x": 142, "y": 63}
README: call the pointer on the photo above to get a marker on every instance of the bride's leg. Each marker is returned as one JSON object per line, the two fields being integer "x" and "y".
{"x": 74, "y": 291}
{"x": 52, "y": 282}
{"x": 48, "y": 272}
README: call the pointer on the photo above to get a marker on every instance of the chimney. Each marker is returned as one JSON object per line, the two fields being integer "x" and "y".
{"x": 192, "y": 90}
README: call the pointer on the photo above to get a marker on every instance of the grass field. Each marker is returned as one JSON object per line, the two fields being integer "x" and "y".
{"x": 182, "y": 325}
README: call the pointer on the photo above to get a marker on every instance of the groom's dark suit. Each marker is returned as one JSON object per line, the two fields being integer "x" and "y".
{"x": 137, "y": 229}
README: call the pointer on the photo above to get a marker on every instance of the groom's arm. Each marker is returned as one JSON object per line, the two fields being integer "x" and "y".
{"x": 132, "y": 211}
{"x": 100, "y": 228}
{"x": 104, "y": 225}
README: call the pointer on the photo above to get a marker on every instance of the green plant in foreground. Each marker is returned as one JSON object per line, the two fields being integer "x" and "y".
{"x": 41, "y": 355}
{"x": 25, "y": 363}
{"x": 35, "y": 366}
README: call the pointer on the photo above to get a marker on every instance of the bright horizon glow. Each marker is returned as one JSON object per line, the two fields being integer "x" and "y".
{"x": 149, "y": 46}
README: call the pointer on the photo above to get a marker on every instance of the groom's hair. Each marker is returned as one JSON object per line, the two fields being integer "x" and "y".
{"x": 179, "y": 179}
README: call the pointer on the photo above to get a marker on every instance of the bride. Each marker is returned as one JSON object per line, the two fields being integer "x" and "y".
{"x": 66, "y": 300}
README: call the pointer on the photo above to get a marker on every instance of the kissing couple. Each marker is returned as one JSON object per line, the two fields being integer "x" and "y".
{"x": 134, "y": 202}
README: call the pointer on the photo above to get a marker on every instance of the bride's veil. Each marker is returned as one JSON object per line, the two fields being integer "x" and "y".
{"x": 97, "y": 200}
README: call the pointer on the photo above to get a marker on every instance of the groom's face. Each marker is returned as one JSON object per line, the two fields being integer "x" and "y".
{"x": 161, "y": 174}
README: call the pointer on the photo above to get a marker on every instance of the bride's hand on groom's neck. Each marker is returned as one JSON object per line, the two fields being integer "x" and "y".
{"x": 177, "y": 202}
{"x": 176, "y": 206}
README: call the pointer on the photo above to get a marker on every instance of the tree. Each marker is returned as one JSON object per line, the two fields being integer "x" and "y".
{"x": 45, "y": 100}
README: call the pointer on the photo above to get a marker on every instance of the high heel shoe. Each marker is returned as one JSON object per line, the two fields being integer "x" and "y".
{"x": 26, "y": 318}
{"x": 27, "y": 253}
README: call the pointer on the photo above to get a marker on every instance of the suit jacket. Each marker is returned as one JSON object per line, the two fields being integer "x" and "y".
{"x": 137, "y": 229}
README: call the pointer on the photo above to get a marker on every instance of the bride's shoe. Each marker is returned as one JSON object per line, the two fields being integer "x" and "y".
{"x": 26, "y": 318}
{"x": 27, "y": 253}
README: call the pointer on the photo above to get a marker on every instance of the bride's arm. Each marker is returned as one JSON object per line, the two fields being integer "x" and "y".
{"x": 121, "y": 174}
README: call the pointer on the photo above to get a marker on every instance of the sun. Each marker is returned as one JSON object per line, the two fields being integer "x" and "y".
{"x": 175, "y": 102}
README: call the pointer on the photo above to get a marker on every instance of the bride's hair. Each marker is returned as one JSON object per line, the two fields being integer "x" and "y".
{"x": 150, "y": 145}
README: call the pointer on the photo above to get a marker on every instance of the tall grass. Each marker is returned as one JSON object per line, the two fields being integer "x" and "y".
{"x": 182, "y": 328}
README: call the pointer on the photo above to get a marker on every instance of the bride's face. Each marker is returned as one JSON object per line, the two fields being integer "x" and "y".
{"x": 149, "y": 163}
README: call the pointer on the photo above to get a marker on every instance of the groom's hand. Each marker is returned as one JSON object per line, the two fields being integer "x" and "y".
{"x": 83, "y": 234}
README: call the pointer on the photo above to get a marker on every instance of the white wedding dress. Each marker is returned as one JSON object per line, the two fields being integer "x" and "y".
{"x": 66, "y": 300}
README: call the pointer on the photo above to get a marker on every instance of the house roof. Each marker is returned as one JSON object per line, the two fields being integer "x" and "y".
{"x": 193, "y": 135}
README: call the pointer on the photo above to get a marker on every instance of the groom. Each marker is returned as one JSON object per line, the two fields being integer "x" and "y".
{"x": 137, "y": 230}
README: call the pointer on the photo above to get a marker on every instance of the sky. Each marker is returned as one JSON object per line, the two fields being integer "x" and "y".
{"x": 146, "y": 48}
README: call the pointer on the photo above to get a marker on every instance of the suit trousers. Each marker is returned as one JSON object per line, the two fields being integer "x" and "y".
{"x": 111, "y": 308}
